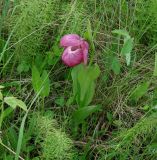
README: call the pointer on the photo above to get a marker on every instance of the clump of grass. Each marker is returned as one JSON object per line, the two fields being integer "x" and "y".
{"x": 31, "y": 20}
{"x": 75, "y": 21}
{"x": 55, "y": 144}
{"x": 136, "y": 142}
{"x": 146, "y": 20}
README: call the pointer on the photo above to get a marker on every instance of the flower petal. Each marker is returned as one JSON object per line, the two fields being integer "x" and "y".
{"x": 85, "y": 47}
{"x": 72, "y": 57}
{"x": 70, "y": 40}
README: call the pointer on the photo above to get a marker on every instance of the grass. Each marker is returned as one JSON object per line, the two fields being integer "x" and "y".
{"x": 125, "y": 127}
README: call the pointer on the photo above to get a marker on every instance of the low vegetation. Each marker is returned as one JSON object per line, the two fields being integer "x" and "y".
{"x": 104, "y": 111}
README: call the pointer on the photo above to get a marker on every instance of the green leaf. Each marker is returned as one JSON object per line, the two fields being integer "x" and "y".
{"x": 23, "y": 67}
{"x": 41, "y": 84}
{"x": 14, "y": 102}
{"x": 56, "y": 49}
{"x": 60, "y": 101}
{"x": 84, "y": 83}
{"x": 140, "y": 91}
{"x": 89, "y": 95}
{"x": 70, "y": 101}
{"x": 36, "y": 80}
{"x": 74, "y": 75}
{"x": 93, "y": 71}
{"x": 40, "y": 62}
{"x": 121, "y": 32}
{"x": 19, "y": 143}
{"x": 127, "y": 46}
{"x": 115, "y": 65}
{"x": 82, "y": 113}
{"x": 1, "y": 87}
{"x": 50, "y": 58}
{"x": 155, "y": 67}
{"x": 12, "y": 136}
{"x": 146, "y": 107}
{"x": 7, "y": 111}
{"x": 126, "y": 50}
{"x": 45, "y": 84}
{"x": 86, "y": 78}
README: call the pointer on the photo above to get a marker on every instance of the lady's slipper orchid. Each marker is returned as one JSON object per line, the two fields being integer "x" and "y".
{"x": 75, "y": 50}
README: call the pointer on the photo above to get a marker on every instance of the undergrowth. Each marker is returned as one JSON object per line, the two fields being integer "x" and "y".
{"x": 119, "y": 122}
{"x": 55, "y": 144}
{"x": 138, "y": 142}
{"x": 31, "y": 22}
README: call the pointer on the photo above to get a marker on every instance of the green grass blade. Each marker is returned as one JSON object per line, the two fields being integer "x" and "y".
{"x": 19, "y": 144}
{"x": 155, "y": 67}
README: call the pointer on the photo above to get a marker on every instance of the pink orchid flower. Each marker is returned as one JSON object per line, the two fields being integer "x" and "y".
{"x": 75, "y": 50}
